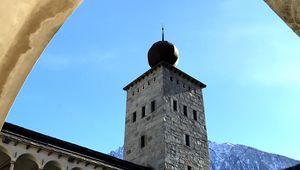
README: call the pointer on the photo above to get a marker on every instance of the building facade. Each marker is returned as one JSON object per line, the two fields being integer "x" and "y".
{"x": 23, "y": 149}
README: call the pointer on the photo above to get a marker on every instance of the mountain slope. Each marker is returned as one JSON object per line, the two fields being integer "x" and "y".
{"x": 228, "y": 156}
{"x": 117, "y": 153}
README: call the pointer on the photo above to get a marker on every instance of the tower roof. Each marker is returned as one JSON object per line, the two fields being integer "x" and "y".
{"x": 163, "y": 51}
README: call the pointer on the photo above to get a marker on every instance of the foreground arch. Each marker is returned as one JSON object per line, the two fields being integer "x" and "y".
{"x": 27, "y": 26}
{"x": 289, "y": 11}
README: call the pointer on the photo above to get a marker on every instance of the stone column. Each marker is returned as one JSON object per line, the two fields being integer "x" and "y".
{"x": 12, "y": 165}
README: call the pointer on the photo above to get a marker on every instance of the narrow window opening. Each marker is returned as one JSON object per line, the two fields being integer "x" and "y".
{"x": 133, "y": 116}
{"x": 171, "y": 78}
{"x": 195, "y": 114}
{"x": 177, "y": 82}
{"x": 187, "y": 140}
{"x": 138, "y": 90}
{"x": 143, "y": 111}
{"x": 133, "y": 93}
{"x": 143, "y": 141}
{"x": 184, "y": 110}
{"x": 183, "y": 85}
{"x": 189, "y": 168}
{"x": 189, "y": 88}
{"x": 154, "y": 79}
{"x": 148, "y": 83}
{"x": 153, "y": 106}
{"x": 175, "y": 105}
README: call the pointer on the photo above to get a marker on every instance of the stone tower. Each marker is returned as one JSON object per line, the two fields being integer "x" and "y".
{"x": 165, "y": 121}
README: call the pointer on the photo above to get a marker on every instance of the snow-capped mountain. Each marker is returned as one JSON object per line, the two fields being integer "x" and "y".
{"x": 227, "y": 156}
{"x": 231, "y": 157}
{"x": 117, "y": 153}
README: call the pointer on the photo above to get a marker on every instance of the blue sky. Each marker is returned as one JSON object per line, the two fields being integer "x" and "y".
{"x": 246, "y": 55}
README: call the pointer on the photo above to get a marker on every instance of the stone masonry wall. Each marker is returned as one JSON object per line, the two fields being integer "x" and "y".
{"x": 165, "y": 129}
{"x": 151, "y": 126}
{"x": 178, "y": 155}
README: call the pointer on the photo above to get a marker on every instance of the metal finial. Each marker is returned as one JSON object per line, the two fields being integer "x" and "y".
{"x": 162, "y": 33}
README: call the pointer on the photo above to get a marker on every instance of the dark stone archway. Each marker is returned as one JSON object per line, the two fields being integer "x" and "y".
{"x": 4, "y": 159}
{"x": 26, "y": 162}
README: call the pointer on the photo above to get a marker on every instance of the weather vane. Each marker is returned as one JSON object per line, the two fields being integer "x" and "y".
{"x": 162, "y": 33}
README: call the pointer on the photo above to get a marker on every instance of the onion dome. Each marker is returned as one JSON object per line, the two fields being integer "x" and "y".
{"x": 163, "y": 51}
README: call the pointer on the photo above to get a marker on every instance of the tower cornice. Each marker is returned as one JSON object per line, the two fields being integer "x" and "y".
{"x": 170, "y": 67}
